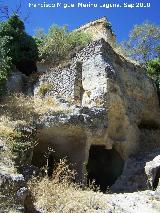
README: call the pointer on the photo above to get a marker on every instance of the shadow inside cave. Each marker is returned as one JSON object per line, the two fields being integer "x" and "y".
{"x": 104, "y": 166}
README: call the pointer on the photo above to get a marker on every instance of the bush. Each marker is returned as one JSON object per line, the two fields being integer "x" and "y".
{"x": 153, "y": 70}
{"x": 21, "y": 46}
{"x": 5, "y": 64}
{"x": 44, "y": 88}
{"x": 58, "y": 43}
{"x": 143, "y": 43}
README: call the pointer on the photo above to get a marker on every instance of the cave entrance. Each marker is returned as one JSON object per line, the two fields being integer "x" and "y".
{"x": 156, "y": 179}
{"x": 104, "y": 166}
{"x": 27, "y": 66}
{"x": 55, "y": 144}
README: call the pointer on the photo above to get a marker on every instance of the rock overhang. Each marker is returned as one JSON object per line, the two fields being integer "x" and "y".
{"x": 97, "y": 77}
{"x": 107, "y": 101}
{"x": 92, "y": 119}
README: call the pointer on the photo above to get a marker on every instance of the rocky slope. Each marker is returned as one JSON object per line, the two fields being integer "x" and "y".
{"x": 101, "y": 112}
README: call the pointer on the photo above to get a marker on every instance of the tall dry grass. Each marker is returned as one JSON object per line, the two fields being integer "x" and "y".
{"x": 21, "y": 107}
{"x": 61, "y": 194}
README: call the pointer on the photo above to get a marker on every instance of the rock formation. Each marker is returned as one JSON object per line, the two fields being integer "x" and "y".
{"x": 98, "y": 29}
{"x": 115, "y": 105}
{"x": 111, "y": 112}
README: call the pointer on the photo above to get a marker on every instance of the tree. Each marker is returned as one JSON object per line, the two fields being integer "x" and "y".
{"x": 6, "y": 12}
{"x": 40, "y": 34}
{"x": 59, "y": 42}
{"x": 153, "y": 70}
{"x": 5, "y": 64}
{"x": 22, "y": 47}
{"x": 144, "y": 42}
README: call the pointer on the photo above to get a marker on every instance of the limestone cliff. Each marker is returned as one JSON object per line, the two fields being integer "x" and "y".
{"x": 100, "y": 28}
{"x": 99, "y": 78}
{"x": 108, "y": 114}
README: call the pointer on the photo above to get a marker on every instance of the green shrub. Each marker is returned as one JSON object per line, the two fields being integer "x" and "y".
{"x": 153, "y": 70}
{"x": 16, "y": 46}
{"x": 21, "y": 143}
{"x": 108, "y": 26}
{"x": 5, "y": 64}
{"x": 20, "y": 45}
{"x": 58, "y": 43}
{"x": 44, "y": 88}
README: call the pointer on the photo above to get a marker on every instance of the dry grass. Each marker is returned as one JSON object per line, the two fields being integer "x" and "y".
{"x": 17, "y": 107}
{"x": 20, "y": 110}
{"x": 61, "y": 194}
{"x": 43, "y": 105}
{"x": 24, "y": 109}
{"x": 6, "y": 128}
{"x": 44, "y": 88}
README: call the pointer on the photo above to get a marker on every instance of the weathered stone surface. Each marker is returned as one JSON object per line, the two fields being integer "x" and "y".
{"x": 10, "y": 183}
{"x": 98, "y": 77}
{"x": 107, "y": 101}
{"x": 93, "y": 119}
{"x": 16, "y": 83}
{"x": 98, "y": 29}
{"x": 152, "y": 170}
{"x": 139, "y": 172}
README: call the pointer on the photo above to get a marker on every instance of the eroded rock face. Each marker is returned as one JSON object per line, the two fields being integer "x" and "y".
{"x": 98, "y": 29}
{"x": 107, "y": 101}
{"x": 98, "y": 77}
{"x": 114, "y": 104}
{"x": 70, "y": 134}
{"x": 140, "y": 172}
{"x": 16, "y": 83}
{"x": 152, "y": 170}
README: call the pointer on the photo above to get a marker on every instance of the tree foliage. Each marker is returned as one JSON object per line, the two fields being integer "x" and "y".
{"x": 40, "y": 34}
{"x": 21, "y": 45}
{"x": 153, "y": 70}
{"x": 15, "y": 46}
{"x": 59, "y": 42}
{"x": 144, "y": 42}
{"x": 5, "y": 63}
{"x": 6, "y": 12}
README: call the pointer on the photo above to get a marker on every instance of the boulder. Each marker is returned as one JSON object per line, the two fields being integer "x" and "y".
{"x": 16, "y": 83}
{"x": 152, "y": 170}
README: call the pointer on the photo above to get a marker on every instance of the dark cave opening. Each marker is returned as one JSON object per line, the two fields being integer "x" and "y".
{"x": 156, "y": 179}
{"x": 50, "y": 165}
{"x": 104, "y": 166}
{"x": 46, "y": 161}
{"x": 57, "y": 144}
{"x": 27, "y": 66}
{"x": 148, "y": 124}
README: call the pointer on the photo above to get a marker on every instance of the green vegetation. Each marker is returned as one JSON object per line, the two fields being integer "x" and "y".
{"x": 21, "y": 145}
{"x": 15, "y": 46}
{"x": 144, "y": 42}
{"x": 5, "y": 64}
{"x": 44, "y": 88}
{"x": 21, "y": 45}
{"x": 108, "y": 26}
{"x": 143, "y": 46}
{"x": 59, "y": 42}
{"x": 153, "y": 70}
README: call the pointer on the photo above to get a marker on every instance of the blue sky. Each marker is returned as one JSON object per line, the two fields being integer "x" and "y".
{"x": 122, "y": 19}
